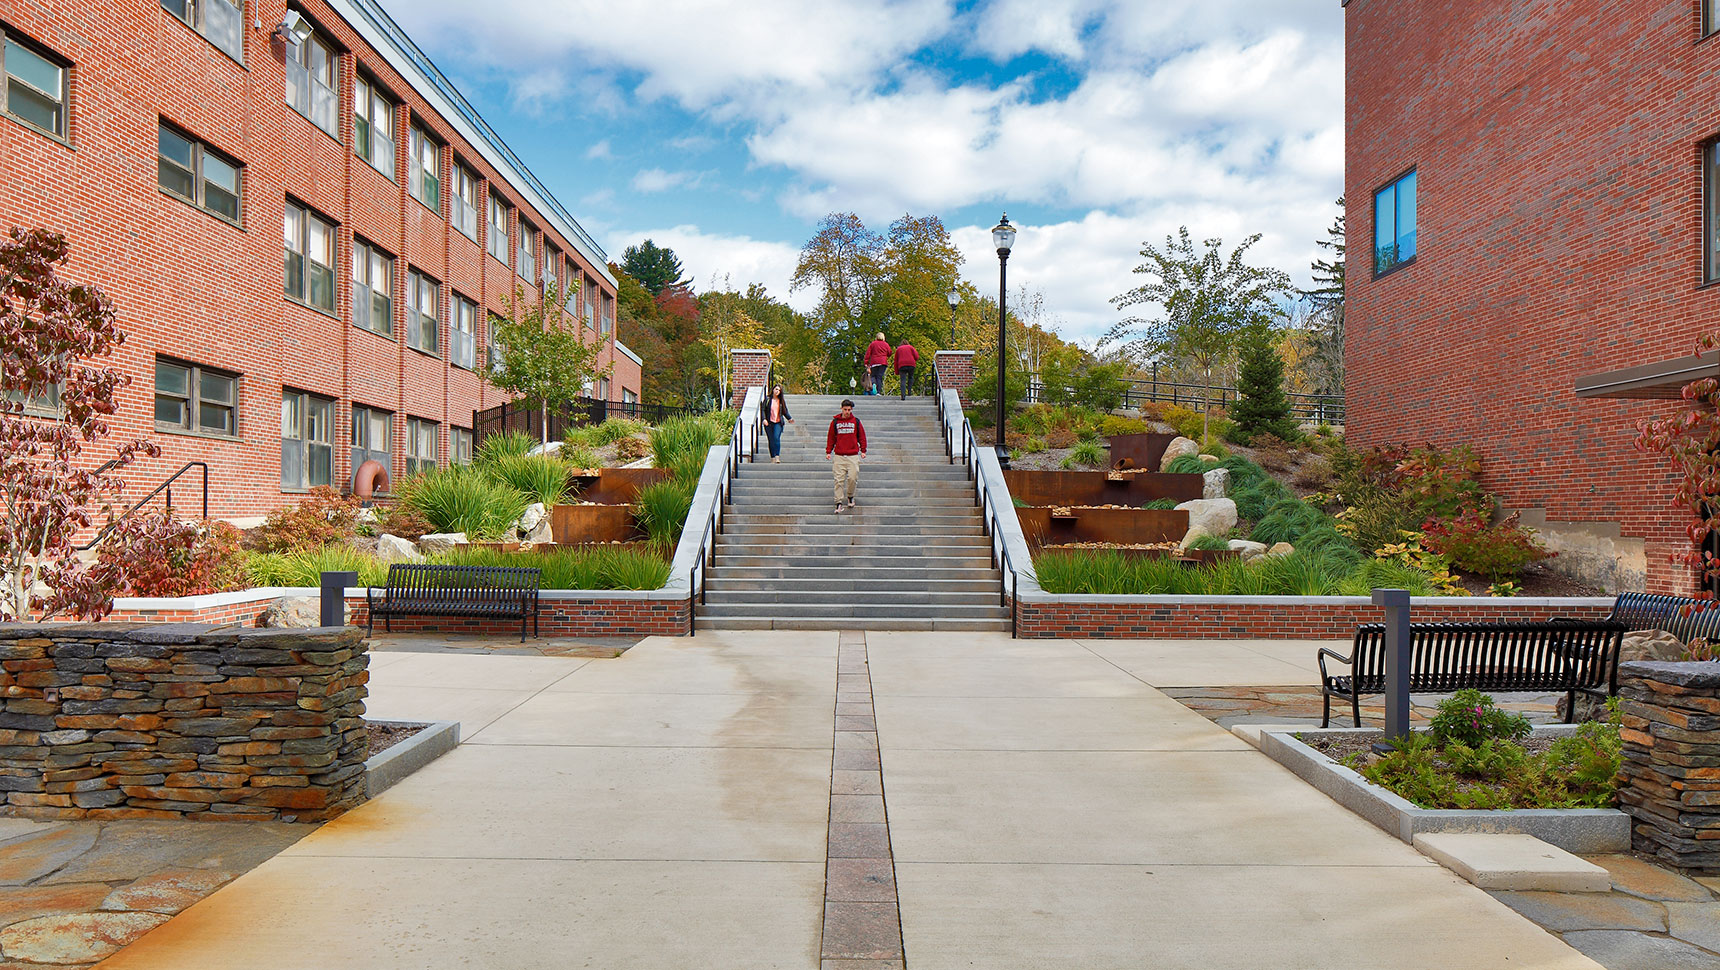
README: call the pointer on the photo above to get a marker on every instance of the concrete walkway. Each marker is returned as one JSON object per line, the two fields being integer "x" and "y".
{"x": 1047, "y": 808}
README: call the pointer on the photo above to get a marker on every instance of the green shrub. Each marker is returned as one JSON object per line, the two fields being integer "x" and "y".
{"x": 1112, "y": 425}
{"x": 614, "y": 429}
{"x": 540, "y": 478}
{"x": 459, "y": 499}
{"x": 497, "y": 446}
{"x": 1371, "y": 574}
{"x": 1085, "y": 453}
{"x": 1497, "y": 551}
{"x": 1288, "y": 520}
{"x": 575, "y": 568}
{"x": 681, "y": 443}
{"x": 305, "y": 567}
{"x": 1469, "y": 717}
{"x": 1190, "y": 465}
{"x": 1209, "y": 543}
{"x": 1161, "y": 503}
{"x": 1261, "y": 407}
{"x": 581, "y": 457}
{"x": 321, "y": 517}
{"x": 661, "y": 509}
{"x": 1031, "y": 445}
{"x": 1099, "y": 387}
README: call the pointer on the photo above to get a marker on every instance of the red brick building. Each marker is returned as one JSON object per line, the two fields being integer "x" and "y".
{"x": 303, "y": 225}
{"x": 1533, "y": 242}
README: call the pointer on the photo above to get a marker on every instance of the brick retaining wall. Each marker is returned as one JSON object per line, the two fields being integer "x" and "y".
{"x": 1670, "y": 779}
{"x": 126, "y": 720}
{"x": 1260, "y": 617}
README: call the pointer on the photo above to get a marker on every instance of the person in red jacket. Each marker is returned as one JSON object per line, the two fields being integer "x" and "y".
{"x": 907, "y": 358}
{"x": 844, "y": 446}
{"x": 877, "y": 362}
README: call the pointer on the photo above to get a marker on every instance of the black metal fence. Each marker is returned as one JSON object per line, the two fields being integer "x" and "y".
{"x": 528, "y": 417}
{"x": 1318, "y": 408}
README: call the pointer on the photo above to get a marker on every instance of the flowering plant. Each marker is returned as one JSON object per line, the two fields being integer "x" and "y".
{"x": 1468, "y": 717}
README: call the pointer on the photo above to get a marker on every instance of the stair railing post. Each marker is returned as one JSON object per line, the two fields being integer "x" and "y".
{"x": 1397, "y": 651}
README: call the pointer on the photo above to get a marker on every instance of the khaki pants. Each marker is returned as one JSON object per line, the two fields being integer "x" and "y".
{"x": 847, "y": 469}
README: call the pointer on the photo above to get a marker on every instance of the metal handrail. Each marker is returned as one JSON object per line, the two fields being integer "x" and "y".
{"x": 166, "y": 486}
{"x": 713, "y": 525}
{"x": 991, "y": 524}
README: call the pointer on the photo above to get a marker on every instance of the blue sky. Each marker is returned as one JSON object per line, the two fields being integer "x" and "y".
{"x": 726, "y": 130}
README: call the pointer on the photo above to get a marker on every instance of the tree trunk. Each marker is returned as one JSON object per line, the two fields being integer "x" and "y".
{"x": 1206, "y": 409}
{"x": 543, "y": 414}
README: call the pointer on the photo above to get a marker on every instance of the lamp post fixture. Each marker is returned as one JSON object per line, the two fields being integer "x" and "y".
{"x": 955, "y": 297}
{"x": 1003, "y": 237}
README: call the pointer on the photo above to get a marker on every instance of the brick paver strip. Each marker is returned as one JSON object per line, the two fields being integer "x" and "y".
{"x": 862, "y": 916}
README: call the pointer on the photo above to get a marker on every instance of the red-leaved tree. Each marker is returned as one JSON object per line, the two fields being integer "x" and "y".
{"x": 59, "y": 394}
{"x": 1690, "y": 439}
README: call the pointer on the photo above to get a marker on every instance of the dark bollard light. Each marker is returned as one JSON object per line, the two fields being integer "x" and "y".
{"x": 334, "y": 587}
{"x": 1396, "y": 603}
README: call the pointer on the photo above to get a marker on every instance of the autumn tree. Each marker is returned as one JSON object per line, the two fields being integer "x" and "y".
{"x": 726, "y": 327}
{"x": 1325, "y": 322}
{"x": 656, "y": 267}
{"x": 1261, "y": 406}
{"x": 1690, "y": 440}
{"x": 542, "y": 353}
{"x": 58, "y": 398}
{"x": 1203, "y": 302}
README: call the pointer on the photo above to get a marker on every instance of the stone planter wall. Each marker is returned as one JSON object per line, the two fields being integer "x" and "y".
{"x": 1671, "y": 775}
{"x": 127, "y": 720}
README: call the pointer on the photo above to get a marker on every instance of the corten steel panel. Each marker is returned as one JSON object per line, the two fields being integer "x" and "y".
{"x": 620, "y": 486}
{"x": 1143, "y": 450}
{"x": 574, "y": 524}
{"x": 1123, "y": 526}
{"x": 1096, "y": 488}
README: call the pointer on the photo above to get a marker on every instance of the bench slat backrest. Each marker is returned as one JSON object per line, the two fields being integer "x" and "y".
{"x": 487, "y": 587}
{"x": 1445, "y": 657}
{"x": 1685, "y": 617}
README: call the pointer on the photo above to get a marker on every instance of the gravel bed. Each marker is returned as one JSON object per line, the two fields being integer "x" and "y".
{"x": 1341, "y": 746}
{"x": 385, "y": 736}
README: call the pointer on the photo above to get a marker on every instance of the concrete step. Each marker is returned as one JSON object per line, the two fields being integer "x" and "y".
{"x": 836, "y": 546}
{"x": 848, "y": 560}
{"x": 835, "y": 608}
{"x": 806, "y": 504}
{"x": 814, "y": 527}
{"x": 704, "y": 622}
{"x": 789, "y": 601}
{"x": 742, "y": 521}
{"x": 858, "y": 572}
{"x": 892, "y": 582}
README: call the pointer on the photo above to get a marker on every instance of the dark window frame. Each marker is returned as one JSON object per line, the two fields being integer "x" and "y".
{"x": 1374, "y": 249}
{"x": 364, "y": 137}
{"x": 418, "y": 179}
{"x": 1711, "y": 211}
{"x": 418, "y": 323}
{"x": 460, "y": 446}
{"x": 302, "y": 441}
{"x": 463, "y": 342}
{"x": 307, "y": 215}
{"x": 296, "y": 63}
{"x": 194, "y": 401}
{"x": 201, "y": 152}
{"x": 195, "y": 15}
{"x": 370, "y": 251}
{"x": 64, "y": 102}
{"x": 364, "y": 450}
{"x": 416, "y": 462}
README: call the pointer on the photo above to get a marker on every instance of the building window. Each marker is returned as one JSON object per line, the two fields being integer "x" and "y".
{"x": 195, "y": 399}
{"x": 420, "y": 446}
{"x": 492, "y": 348}
{"x": 46, "y": 404}
{"x": 1710, "y": 16}
{"x": 373, "y": 127}
{"x": 628, "y": 397}
{"x": 423, "y": 312}
{"x": 426, "y": 170}
{"x": 465, "y": 202}
{"x": 528, "y": 253}
{"x": 310, "y": 84}
{"x": 607, "y": 321}
{"x": 1394, "y": 224}
{"x": 463, "y": 329}
{"x": 602, "y": 389}
{"x": 372, "y": 437}
{"x": 35, "y": 85}
{"x": 307, "y": 441}
{"x": 498, "y": 229}
{"x": 309, "y": 241}
{"x": 459, "y": 446}
{"x": 221, "y": 22}
{"x": 372, "y": 288}
{"x": 190, "y": 170}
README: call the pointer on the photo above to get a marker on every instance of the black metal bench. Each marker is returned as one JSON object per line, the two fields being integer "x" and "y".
{"x": 1685, "y": 617}
{"x": 482, "y": 592}
{"x": 1562, "y": 655}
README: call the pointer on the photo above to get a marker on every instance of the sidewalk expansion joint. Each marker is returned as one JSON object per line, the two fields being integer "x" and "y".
{"x": 862, "y": 915}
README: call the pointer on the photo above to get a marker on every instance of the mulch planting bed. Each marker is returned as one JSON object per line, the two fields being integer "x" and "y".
{"x": 385, "y": 736}
{"x": 1341, "y": 746}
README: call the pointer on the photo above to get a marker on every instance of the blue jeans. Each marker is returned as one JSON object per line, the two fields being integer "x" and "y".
{"x": 878, "y": 371}
{"x": 773, "y": 430}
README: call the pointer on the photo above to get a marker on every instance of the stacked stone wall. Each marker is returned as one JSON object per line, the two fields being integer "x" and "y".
{"x": 123, "y": 720}
{"x": 1670, "y": 780}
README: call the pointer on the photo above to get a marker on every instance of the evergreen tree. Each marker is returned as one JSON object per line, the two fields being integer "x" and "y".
{"x": 1261, "y": 407}
{"x": 656, "y": 267}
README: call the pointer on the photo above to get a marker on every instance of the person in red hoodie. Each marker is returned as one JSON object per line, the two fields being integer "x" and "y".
{"x": 844, "y": 446}
{"x": 907, "y": 358}
{"x": 877, "y": 362}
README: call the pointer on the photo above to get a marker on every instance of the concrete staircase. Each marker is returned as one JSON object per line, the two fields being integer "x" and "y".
{"x": 912, "y": 556}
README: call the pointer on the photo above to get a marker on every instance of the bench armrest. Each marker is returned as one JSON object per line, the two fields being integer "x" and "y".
{"x": 1320, "y": 658}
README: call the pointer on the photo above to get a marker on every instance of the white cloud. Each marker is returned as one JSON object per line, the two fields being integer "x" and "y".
{"x": 709, "y": 257}
{"x": 658, "y": 180}
{"x": 600, "y": 150}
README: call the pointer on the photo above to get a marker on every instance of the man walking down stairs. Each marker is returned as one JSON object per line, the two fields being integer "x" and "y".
{"x": 911, "y": 555}
{"x": 844, "y": 448}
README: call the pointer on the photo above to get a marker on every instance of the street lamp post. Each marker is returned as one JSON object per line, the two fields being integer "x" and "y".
{"x": 955, "y": 297}
{"x": 1003, "y": 237}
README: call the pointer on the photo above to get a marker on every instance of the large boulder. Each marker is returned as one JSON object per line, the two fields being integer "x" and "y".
{"x": 391, "y": 548}
{"x": 534, "y": 525}
{"x": 1217, "y": 483}
{"x": 1208, "y": 517}
{"x": 1248, "y": 549}
{"x": 438, "y": 542}
{"x": 1650, "y": 645}
{"x": 1176, "y": 449}
{"x": 1280, "y": 549}
{"x": 296, "y": 612}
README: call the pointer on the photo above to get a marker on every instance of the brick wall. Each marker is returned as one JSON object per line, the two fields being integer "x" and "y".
{"x": 1557, "y": 148}
{"x": 1670, "y": 780}
{"x": 752, "y": 369}
{"x": 1314, "y": 618}
{"x": 955, "y": 370}
{"x": 199, "y": 289}
{"x": 117, "y": 720}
